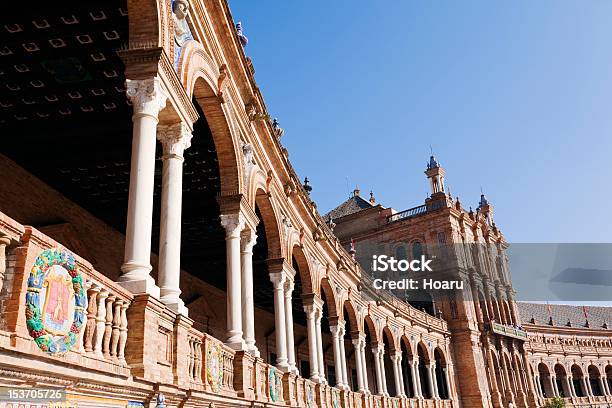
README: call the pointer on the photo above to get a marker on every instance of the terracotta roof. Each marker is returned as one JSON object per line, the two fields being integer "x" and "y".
{"x": 350, "y": 206}
{"x": 598, "y": 315}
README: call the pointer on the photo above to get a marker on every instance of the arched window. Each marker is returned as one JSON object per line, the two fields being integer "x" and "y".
{"x": 417, "y": 249}
{"x": 400, "y": 252}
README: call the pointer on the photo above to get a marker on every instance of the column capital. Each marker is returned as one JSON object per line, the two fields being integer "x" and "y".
{"x": 248, "y": 239}
{"x": 335, "y": 330}
{"x": 175, "y": 138}
{"x": 378, "y": 348}
{"x": 278, "y": 281}
{"x": 146, "y": 95}
{"x": 233, "y": 224}
{"x": 289, "y": 286}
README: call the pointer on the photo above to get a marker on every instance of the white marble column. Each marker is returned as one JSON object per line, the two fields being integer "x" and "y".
{"x": 174, "y": 139}
{"x": 310, "y": 310}
{"x": 321, "y": 356}
{"x": 248, "y": 238}
{"x": 602, "y": 386}
{"x": 364, "y": 365}
{"x": 342, "y": 332}
{"x": 570, "y": 386}
{"x": 449, "y": 388}
{"x": 383, "y": 371}
{"x": 289, "y": 286}
{"x": 147, "y": 98}
{"x": 278, "y": 284}
{"x": 416, "y": 378}
{"x": 396, "y": 359}
{"x": 335, "y": 332}
{"x": 555, "y": 388}
{"x": 434, "y": 380}
{"x": 587, "y": 382}
{"x": 376, "y": 350}
{"x": 233, "y": 224}
{"x": 430, "y": 380}
{"x": 359, "y": 364}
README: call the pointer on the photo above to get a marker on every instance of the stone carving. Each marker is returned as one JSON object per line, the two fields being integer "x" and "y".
{"x": 289, "y": 189}
{"x": 278, "y": 131}
{"x": 269, "y": 182}
{"x": 182, "y": 32}
{"x": 174, "y": 138}
{"x": 287, "y": 225}
{"x": 146, "y": 95}
{"x": 248, "y": 159}
{"x": 243, "y": 39}
{"x": 233, "y": 224}
{"x": 222, "y": 82}
{"x": 253, "y": 112}
{"x": 55, "y": 302}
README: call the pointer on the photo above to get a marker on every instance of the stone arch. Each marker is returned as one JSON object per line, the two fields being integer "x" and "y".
{"x": 371, "y": 325}
{"x": 303, "y": 268}
{"x": 424, "y": 359}
{"x": 544, "y": 373}
{"x": 256, "y": 182}
{"x": 560, "y": 379}
{"x": 577, "y": 379}
{"x": 198, "y": 74}
{"x": 271, "y": 224}
{"x": 354, "y": 321}
{"x": 404, "y": 340}
{"x": 441, "y": 374}
{"x": 393, "y": 341}
{"x": 423, "y": 350}
{"x": 327, "y": 290}
{"x": 406, "y": 362}
{"x": 595, "y": 380}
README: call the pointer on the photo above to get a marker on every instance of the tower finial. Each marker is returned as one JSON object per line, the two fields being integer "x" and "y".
{"x": 372, "y": 199}
{"x": 435, "y": 174}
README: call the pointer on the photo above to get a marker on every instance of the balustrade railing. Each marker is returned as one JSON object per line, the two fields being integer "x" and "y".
{"x": 409, "y": 213}
{"x": 106, "y": 329}
{"x": 100, "y": 323}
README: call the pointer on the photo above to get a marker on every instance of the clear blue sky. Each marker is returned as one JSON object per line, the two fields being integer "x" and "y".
{"x": 514, "y": 96}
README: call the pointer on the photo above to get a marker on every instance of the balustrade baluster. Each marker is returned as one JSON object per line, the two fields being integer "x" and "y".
{"x": 100, "y": 322}
{"x": 191, "y": 367}
{"x": 198, "y": 369}
{"x": 107, "y": 328}
{"x": 123, "y": 331}
{"x": 116, "y": 329}
{"x": 92, "y": 311}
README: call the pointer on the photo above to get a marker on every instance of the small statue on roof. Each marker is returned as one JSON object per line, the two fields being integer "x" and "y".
{"x": 243, "y": 39}
{"x": 278, "y": 131}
